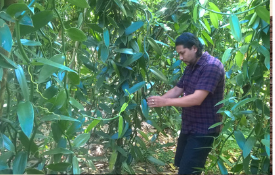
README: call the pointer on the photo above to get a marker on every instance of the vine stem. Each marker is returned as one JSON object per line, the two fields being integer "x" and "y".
{"x": 233, "y": 13}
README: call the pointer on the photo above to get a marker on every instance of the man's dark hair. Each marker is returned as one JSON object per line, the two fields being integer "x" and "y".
{"x": 188, "y": 40}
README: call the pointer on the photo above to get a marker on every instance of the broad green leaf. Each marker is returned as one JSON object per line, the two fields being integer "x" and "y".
{"x": 229, "y": 114}
{"x": 207, "y": 37}
{"x": 80, "y": 20}
{"x": 266, "y": 53}
{"x": 155, "y": 46}
{"x": 125, "y": 50}
{"x": 215, "y": 125}
{"x": 7, "y": 143}
{"x": 235, "y": 27}
{"x": 79, "y": 3}
{"x": 115, "y": 68}
{"x": 34, "y": 171}
{"x": 106, "y": 37}
{"x": 76, "y": 34}
{"x": 57, "y": 117}
{"x": 226, "y": 55}
{"x": 155, "y": 161}
{"x": 5, "y": 62}
{"x": 133, "y": 27}
{"x": 120, "y": 125}
{"x": 47, "y": 70}
{"x": 105, "y": 108}
{"x": 57, "y": 132}
{"x": 76, "y": 104}
{"x": 159, "y": 74}
{"x": 225, "y": 100}
{"x": 215, "y": 8}
{"x": 143, "y": 135}
{"x": 76, "y": 169}
{"x": 134, "y": 45}
{"x": 96, "y": 28}
{"x": 112, "y": 160}
{"x": 120, "y": 5}
{"x": 26, "y": 42}
{"x": 222, "y": 168}
{"x": 242, "y": 102}
{"x": 112, "y": 21}
{"x": 205, "y": 27}
{"x": 239, "y": 59}
{"x": 252, "y": 20}
{"x": 5, "y": 36}
{"x": 122, "y": 151}
{"x": 195, "y": 13}
{"x": 92, "y": 125}
{"x": 263, "y": 13}
{"x": 81, "y": 140}
{"x": 136, "y": 87}
{"x": 140, "y": 141}
{"x": 74, "y": 78}
{"x": 266, "y": 142}
{"x": 104, "y": 53}
{"x": 20, "y": 75}
{"x": 63, "y": 166}
{"x": 15, "y": 8}
{"x": 25, "y": 114}
{"x": 145, "y": 109}
{"x": 123, "y": 108}
{"x": 214, "y": 19}
{"x": 249, "y": 144}
{"x": 132, "y": 59}
{"x": 54, "y": 64}
{"x": 1, "y": 74}
{"x": 57, "y": 151}
{"x": 240, "y": 138}
{"x": 60, "y": 99}
{"x": 20, "y": 163}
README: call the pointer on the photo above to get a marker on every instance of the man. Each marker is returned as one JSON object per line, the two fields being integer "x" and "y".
{"x": 202, "y": 86}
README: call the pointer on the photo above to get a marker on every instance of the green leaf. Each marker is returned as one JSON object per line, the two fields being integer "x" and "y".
{"x": 57, "y": 117}
{"x": 79, "y": 3}
{"x": 57, "y": 151}
{"x": 26, "y": 42}
{"x": 76, "y": 169}
{"x": 63, "y": 166}
{"x": 92, "y": 125}
{"x": 20, "y": 163}
{"x": 155, "y": 161}
{"x": 115, "y": 68}
{"x": 140, "y": 141}
{"x": 155, "y": 46}
{"x": 235, "y": 27}
{"x": 135, "y": 88}
{"x": 248, "y": 146}
{"x": 143, "y": 135}
{"x": 47, "y": 70}
{"x": 239, "y": 59}
{"x": 133, "y": 27}
{"x": 252, "y": 20}
{"x": 60, "y": 99}
{"x": 96, "y": 28}
{"x": 125, "y": 50}
{"x": 112, "y": 21}
{"x": 7, "y": 143}
{"x": 5, "y": 36}
{"x": 266, "y": 142}
{"x": 74, "y": 78}
{"x": 105, "y": 108}
{"x": 263, "y": 13}
{"x": 123, "y": 108}
{"x": 132, "y": 59}
{"x": 1, "y": 74}
{"x": 214, "y": 19}
{"x": 5, "y": 62}
{"x": 145, "y": 109}
{"x": 20, "y": 75}
{"x": 106, "y": 37}
{"x": 33, "y": 171}
{"x": 222, "y": 168}
{"x": 76, "y": 104}
{"x": 207, "y": 37}
{"x": 207, "y": 25}
{"x": 54, "y": 64}
{"x": 120, "y": 5}
{"x": 15, "y": 8}
{"x": 104, "y": 53}
{"x": 26, "y": 117}
{"x": 76, "y": 34}
{"x": 241, "y": 103}
{"x": 120, "y": 126}
{"x": 215, "y": 125}
{"x": 159, "y": 74}
{"x": 229, "y": 114}
{"x": 81, "y": 140}
{"x": 226, "y": 55}
{"x": 112, "y": 160}
{"x": 195, "y": 13}
{"x": 215, "y": 8}
{"x": 240, "y": 138}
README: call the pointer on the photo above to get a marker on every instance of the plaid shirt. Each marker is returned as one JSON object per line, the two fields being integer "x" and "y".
{"x": 208, "y": 74}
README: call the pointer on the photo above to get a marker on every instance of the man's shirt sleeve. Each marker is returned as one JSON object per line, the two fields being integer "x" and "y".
{"x": 209, "y": 78}
{"x": 180, "y": 83}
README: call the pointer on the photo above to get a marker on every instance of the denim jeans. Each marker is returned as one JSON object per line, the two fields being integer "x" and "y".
{"x": 192, "y": 151}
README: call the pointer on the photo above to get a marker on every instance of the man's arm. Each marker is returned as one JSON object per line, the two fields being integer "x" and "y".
{"x": 173, "y": 93}
{"x": 194, "y": 99}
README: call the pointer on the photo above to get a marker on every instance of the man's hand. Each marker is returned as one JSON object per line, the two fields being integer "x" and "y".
{"x": 156, "y": 101}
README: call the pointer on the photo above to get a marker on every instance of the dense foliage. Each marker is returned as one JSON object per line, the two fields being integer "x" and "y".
{"x": 77, "y": 72}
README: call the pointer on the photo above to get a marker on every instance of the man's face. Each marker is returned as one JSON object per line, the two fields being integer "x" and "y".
{"x": 188, "y": 56}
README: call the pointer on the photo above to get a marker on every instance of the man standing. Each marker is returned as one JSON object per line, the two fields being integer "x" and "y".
{"x": 202, "y": 86}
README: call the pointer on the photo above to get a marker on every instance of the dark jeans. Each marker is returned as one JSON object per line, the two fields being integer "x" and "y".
{"x": 192, "y": 151}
